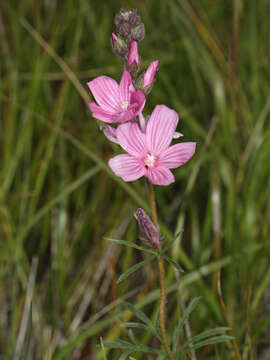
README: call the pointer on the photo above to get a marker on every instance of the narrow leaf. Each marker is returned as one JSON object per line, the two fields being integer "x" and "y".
{"x": 141, "y": 315}
{"x": 133, "y": 245}
{"x": 211, "y": 341}
{"x": 207, "y": 333}
{"x": 157, "y": 325}
{"x": 28, "y": 336}
{"x": 134, "y": 268}
{"x": 172, "y": 262}
{"x": 125, "y": 354}
{"x": 132, "y": 337}
{"x": 182, "y": 320}
{"x": 136, "y": 325}
{"x": 124, "y": 345}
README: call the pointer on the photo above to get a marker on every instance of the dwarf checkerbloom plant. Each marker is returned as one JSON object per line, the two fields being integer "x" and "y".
{"x": 147, "y": 141}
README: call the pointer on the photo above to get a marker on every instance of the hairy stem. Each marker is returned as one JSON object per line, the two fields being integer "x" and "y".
{"x": 161, "y": 277}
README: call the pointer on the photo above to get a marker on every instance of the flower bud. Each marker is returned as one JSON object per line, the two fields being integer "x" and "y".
{"x": 134, "y": 62}
{"x": 124, "y": 28}
{"x": 119, "y": 46}
{"x": 134, "y": 18}
{"x": 138, "y": 32}
{"x": 147, "y": 227}
{"x": 122, "y": 22}
{"x": 149, "y": 75}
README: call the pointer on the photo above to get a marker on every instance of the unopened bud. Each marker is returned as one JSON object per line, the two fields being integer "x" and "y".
{"x": 134, "y": 62}
{"x": 119, "y": 46}
{"x": 147, "y": 227}
{"x": 124, "y": 28}
{"x": 138, "y": 32}
{"x": 122, "y": 16}
{"x": 134, "y": 18}
{"x": 149, "y": 75}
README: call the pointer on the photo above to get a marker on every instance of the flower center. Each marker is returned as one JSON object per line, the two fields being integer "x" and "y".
{"x": 124, "y": 105}
{"x": 150, "y": 160}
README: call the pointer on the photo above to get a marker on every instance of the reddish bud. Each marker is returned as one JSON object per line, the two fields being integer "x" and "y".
{"x": 133, "y": 55}
{"x": 147, "y": 227}
{"x": 149, "y": 75}
{"x": 133, "y": 62}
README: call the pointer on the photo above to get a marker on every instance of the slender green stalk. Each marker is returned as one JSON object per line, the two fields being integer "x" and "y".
{"x": 152, "y": 203}
{"x": 161, "y": 277}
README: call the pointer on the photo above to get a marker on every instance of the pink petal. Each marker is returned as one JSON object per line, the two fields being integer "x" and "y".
{"x": 131, "y": 139}
{"x": 150, "y": 73}
{"x": 126, "y": 86}
{"x": 109, "y": 132}
{"x": 137, "y": 101}
{"x": 160, "y": 129}
{"x": 100, "y": 114}
{"x": 177, "y": 155}
{"x": 159, "y": 176}
{"x": 142, "y": 122}
{"x": 127, "y": 167}
{"x": 106, "y": 92}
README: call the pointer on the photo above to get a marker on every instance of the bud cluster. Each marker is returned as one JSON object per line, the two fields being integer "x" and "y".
{"x": 130, "y": 30}
{"x": 129, "y": 25}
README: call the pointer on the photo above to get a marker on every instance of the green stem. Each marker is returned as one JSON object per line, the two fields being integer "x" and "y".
{"x": 161, "y": 277}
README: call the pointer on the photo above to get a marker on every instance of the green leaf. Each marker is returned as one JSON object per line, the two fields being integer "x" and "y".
{"x": 207, "y": 333}
{"x": 141, "y": 315}
{"x": 182, "y": 320}
{"x": 124, "y": 345}
{"x": 157, "y": 325}
{"x": 28, "y": 336}
{"x": 134, "y": 268}
{"x": 132, "y": 337}
{"x": 136, "y": 325}
{"x": 125, "y": 354}
{"x": 172, "y": 262}
{"x": 133, "y": 245}
{"x": 210, "y": 341}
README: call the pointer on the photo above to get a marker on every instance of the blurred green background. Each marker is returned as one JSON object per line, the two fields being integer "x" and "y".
{"x": 58, "y": 198}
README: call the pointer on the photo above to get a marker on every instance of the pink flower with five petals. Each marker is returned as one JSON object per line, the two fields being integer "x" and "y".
{"x": 150, "y": 153}
{"x": 116, "y": 103}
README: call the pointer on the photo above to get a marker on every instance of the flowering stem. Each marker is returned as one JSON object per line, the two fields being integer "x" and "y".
{"x": 161, "y": 277}
{"x": 152, "y": 203}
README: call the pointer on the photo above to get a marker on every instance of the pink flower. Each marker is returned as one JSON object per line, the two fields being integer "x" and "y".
{"x": 149, "y": 75}
{"x": 150, "y": 153}
{"x": 133, "y": 55}
{"x": 117, "y": 103}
